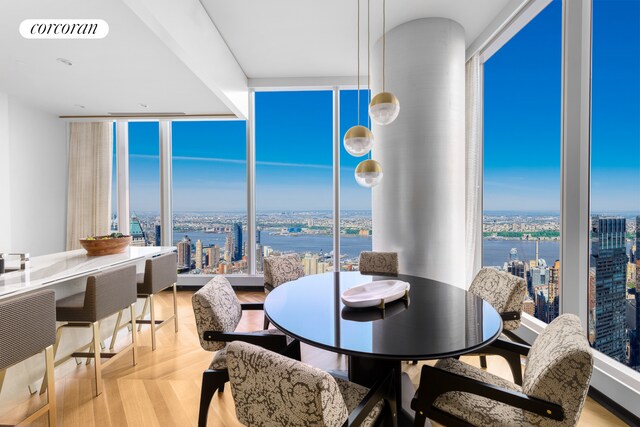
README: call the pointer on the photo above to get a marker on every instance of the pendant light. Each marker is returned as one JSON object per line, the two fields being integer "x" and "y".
{"x": 358, "y": 139}
{"x": 368, "y": 173}
{"x": 384, "y": 107}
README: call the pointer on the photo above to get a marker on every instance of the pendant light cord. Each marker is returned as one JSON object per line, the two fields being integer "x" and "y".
{"x": 358, "y": 26}
{"x": 384, "y": 38}
{"x": 369, "y": 59}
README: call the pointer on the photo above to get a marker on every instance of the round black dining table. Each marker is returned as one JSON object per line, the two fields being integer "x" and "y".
{"x": 437, "y": 320}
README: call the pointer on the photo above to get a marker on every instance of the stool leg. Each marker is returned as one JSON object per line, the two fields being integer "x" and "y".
{"x": 175, "y": 306}
{"x": 134, "y": 334}
{"x": 144, "y": 311}
{"x": 43, "y": 387}
{"x": 51, "y": 394}
{"x": 96, "y": 352}
{"x": 483, "y": 361}
{"x": 115, "y": 331}
{"x": 152, "y": 311}
{"x": 2, "y": 374}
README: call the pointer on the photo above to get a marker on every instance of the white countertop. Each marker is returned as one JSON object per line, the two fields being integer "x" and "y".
{"x": 56, "y": 268}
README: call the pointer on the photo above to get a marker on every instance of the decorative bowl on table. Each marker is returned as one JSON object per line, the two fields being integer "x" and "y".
{"x": 106, "y": 245}
{"x": 375, "y": 294}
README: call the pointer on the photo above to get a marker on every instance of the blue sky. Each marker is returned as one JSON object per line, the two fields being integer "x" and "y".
{"x": 522, "y": 113}
{"x": 522, "y": 133}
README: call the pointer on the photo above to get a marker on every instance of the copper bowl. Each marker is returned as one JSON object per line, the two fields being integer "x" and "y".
{"x": 100, "y": 246}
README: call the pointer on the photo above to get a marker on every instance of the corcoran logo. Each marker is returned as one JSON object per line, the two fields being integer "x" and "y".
{"x": 64, "y": 29}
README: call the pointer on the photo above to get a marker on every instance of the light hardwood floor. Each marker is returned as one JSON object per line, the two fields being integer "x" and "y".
{"x": 164, "y": 388}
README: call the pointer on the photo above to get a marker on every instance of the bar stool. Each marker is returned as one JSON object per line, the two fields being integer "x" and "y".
{"x": 28, "y": 326}
{"x": 106, "y": 294}
{"x": 160, "y": 273}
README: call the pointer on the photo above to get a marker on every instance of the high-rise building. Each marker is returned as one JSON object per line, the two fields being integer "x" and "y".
{"x": 229, "y": 247}
{"x": 214, "y": 256}
{"x": 310, "y": 263}
{"x": 554, "y": 290}
{"x": 158, "y": 235}
{"x": 184, "y": 252}
{"x": 138, "y": 237}
{"x": 608, "y": 264}
{"x": 198, "y": 254}
{"x": 237, "y": 236}
{"x": 258, "y": 236}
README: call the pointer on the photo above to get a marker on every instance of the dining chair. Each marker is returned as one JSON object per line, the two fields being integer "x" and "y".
{"x": 27, "y": 327}
{"x": 378, "y": 263}
{"x": 218, "y": 312}
{"x": 272, "y": 390}
{"x": 505, "y": 292}
{"x": 279, "y": 269}
{"x": 556, "y": 381}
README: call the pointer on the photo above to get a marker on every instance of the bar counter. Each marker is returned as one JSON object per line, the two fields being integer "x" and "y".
{"x": 49, "y": 270}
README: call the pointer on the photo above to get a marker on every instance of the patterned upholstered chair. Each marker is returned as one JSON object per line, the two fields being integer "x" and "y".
{"x": 279, "y": 269}
{"x": 556, "y": 381}
{"x": 272, "y": 390}
{"x": 505, "y": 292}
{"x": 218, "y": 312}
{"x": 378, "y": 262}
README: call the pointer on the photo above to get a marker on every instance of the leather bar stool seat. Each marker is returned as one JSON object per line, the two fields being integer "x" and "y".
{"x": 106, "y": 294}
{"x": 28, "y": 326}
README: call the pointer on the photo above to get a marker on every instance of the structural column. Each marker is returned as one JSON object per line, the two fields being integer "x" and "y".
{"x": 419, "y": 208}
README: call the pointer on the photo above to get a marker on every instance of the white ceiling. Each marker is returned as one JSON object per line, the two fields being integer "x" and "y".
{"x": 311, "y": 38}
{"x": 131, "y": 66}
{"x": 146, "y": 57}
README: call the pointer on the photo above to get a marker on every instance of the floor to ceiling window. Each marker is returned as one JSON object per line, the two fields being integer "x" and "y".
{"x": 210, "y": 196}
{"x": 522, "y": 104}
{"x": 614, "y": 312}
{"x": 114, "y": 183}
{"x": 294, "y": 178}
{"x": 144, "y": 181}
{"x": 355, "y": 201}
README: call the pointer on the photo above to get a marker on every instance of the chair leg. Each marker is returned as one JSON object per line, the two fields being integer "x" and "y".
{"x": 134, "y": 334}
{"x": 211, "y": 381}
{"x": 420, "y": 419}
{"x": 144, "y": 311}
{"x": 97, "y": 362}
{"x": 175, "y": 307}
{"x": 483, "y": 361}
{"x": 51, "y": 394}
{"x": 115, "y": 331}
{"x": 266, "y": 322}
{"x": 152, "y": 311}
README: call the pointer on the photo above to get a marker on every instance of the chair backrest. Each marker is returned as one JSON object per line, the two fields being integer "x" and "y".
{"x": 160, "y": 272}
{"x": 504, "y": 291}
{"x": 559, "y": 367}
{"x": 110, "y": 291}
{"x": 279, "y": 269}
{"x": 27, "y": 326}
{"x": 273, "y": 390}
{"x": 378, "y": 262}
{"x": 217, "y": 309}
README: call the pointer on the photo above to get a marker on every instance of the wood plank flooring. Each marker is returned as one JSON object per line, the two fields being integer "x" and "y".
{"x": 164, "y": 388}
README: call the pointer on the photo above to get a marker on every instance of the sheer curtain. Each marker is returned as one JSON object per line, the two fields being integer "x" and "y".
{"x": 89, "y": 194}
{"x": 473, "y": 163}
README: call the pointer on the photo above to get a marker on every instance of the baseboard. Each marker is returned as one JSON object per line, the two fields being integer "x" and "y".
{"x": 613, "y": 407}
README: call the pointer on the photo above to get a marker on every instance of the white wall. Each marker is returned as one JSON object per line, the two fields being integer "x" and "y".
{"x": 33, "y": 149}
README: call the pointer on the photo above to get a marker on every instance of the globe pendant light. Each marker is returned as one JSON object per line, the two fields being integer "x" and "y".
{"x": 358, "y": 139}
{"x": 384, "y": 107}
{"x": 368, "y": 173}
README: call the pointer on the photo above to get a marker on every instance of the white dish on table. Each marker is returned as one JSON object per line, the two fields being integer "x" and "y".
{"x": 374, "y": 294}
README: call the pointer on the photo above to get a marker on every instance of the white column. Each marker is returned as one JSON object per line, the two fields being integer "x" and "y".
{"x": 419, "y": 208}
{"x": 166, "y": 185}
{"x": 122, "y": 153}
